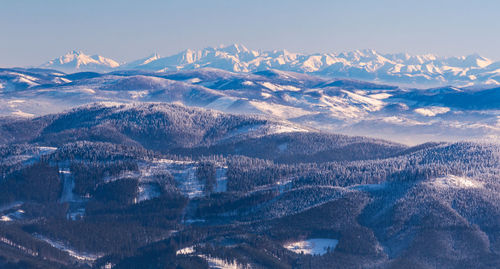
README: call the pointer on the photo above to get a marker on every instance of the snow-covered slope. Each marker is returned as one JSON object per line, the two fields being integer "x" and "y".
{"x": 359, "y": 64}
{"x": 78, "y": 61}
{"x": 344, "y": 106}
{"x": 370, "y": 65}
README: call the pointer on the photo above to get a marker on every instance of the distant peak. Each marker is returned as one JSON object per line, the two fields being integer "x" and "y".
{"x": 477, "y": 56}
{"x": 77, "y": 60}
{"x": 152, "y": 57}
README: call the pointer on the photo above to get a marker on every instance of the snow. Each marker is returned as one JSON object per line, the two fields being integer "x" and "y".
{"x": 221, "y": 179}
{"x": 313, "y": 63}
{"x": 401, "y": 121}
{"x": 46, "y": 150}
{"x": 341, "y": 108}
{"x": 18, "y": 214}
{"x": 193, "y": 80}
{"x": 81, "y": 256}
{"x": 380, "y": 96}
{"x": 266, "y": 95}
{"x": 400, "y": 68}
{"x": 279, "y": 129}
{"x": 22, "y": 78}
{"x": 216, "y": 263}
{"x": 60, "y": 80}
{"x": 77, "y": 60}
{"x": 315, "y": 246}
{"x": 169, "y": 161}
{"x": 147, "y": 191}
{"x": 67, "y": 194}
{"x": 20, "y": 247}
{"x": 110, "y": 104}
{"x": 76, "y": 203}
{"x": 16, "y": 101}
{"x": 188, "y": 183}
{"x": 432, "y": 111}
{"x": 185, "y": 251}
{"x": 451, "y": 181}
{"x": 369, "y": 104}
{"x": 20, "y": 113}
{"x": 5, "y": 218}
{"x": 213, "y": 262}
{"x": 138, "y": 94}
{"x": 87, "y": 90}
{"x": 275, "y": 87}
{"x": 184, "y": 173}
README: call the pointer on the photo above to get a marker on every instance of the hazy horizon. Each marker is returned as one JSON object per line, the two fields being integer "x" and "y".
{"x": 119, "y": 59}
{"x": 35, "y": 32}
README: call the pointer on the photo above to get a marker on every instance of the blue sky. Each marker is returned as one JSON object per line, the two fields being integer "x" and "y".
{"x": 33, "y": 31}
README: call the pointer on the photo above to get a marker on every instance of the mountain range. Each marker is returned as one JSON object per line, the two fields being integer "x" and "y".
{"x": 369, "y": 65}
{"x": 344, "y": 106}
{"x": 218, "y": 158}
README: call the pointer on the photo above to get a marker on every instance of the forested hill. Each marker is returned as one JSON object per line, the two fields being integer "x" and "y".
{"x": 155, "y": 185}
{"x": 177, "y": 129}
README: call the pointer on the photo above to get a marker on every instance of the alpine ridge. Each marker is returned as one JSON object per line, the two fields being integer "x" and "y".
{"x": 368, "y": 64}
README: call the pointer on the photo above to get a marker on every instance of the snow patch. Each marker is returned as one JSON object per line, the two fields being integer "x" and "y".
{"x": 17, "y": 215}
{"x": 20, "y": 113}
{"x": 147, "y": 191}
{"x": 217, "y": 263}
{"x": 5, "y": 218}
{"x": 279, "y": 129}
{"x": 213, "y": 262}
{"x": 81, "y": 256}
{"x": 458, "y": 182}
{"x": 193, "y": 80}
{"x": 380, "y": 96}
{"x": 275, "y": 87}
{"x": 432, "y": 111}
{"x": 185, "y": 251}
{"x": 401, "y": 121}
{"x": 221, "y": 179}
{"x": 315, "y": 246}
{"x": 138, "y": 94}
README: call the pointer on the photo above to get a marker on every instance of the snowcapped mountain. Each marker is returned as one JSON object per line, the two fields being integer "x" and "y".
{"x": 76, "y": 61}
{"x": 403, "y": 69}
{"x": 141, "y": 62}
{"x": 368, "y": 65}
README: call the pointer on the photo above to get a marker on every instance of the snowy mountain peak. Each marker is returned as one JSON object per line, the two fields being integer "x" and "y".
{"x": 366, "y": 64}
{"x": 78, "y": 61}
{"x": 143, "y": 61}
{"x": 478, "y": 60}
